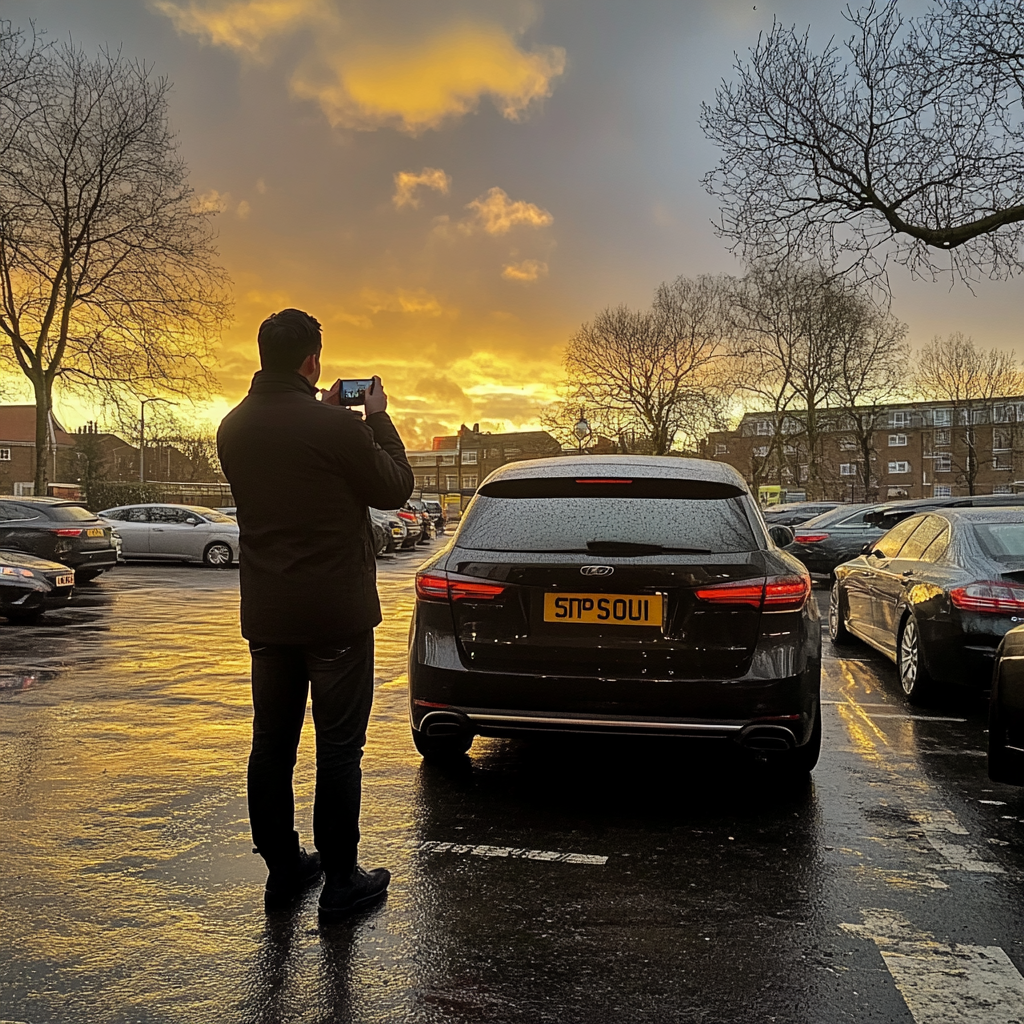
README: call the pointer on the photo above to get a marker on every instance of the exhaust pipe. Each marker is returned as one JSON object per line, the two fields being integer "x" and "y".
{"x": 767, "y": 738}
{"x": 439, "y": 724}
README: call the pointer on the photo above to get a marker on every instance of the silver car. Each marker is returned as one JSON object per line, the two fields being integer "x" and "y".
{"x": 179, "y": 533}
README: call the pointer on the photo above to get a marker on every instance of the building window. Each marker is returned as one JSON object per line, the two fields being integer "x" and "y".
{"x": 847, "y": 469}
{"x": 943, "y": 464}
{"x": 848, "y": 444}
{"x": 943, "y": 491}
{"x": 942, "y": 417}
{"x": 761, "y": 452}
{"x": 448, "y": 460}
{"x": 469, "y": 458}
{"x": 492, "y": 453}
{"x": 901, "y": 419}
{"x": 942, "y": 437}
{"x": 721, "y": 449}
{"x": 451, "y": 483}
{"x": 764, "y": 428}
{"x": 512, "y": 453}
{"x": 1000, "y": 441}
{"x": 469, "y": 482}
{"x": 897, "y": 440}
{"x": 5, "y": 454}
{"x": 804, "y": 471}
{"x": 899, "y": 467}
{"x": 1002, "y": 489}
{"x": 1002, "y": 462}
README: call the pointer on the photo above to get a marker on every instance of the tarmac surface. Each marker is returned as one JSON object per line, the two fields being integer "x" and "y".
{"x": 582, "y": 881}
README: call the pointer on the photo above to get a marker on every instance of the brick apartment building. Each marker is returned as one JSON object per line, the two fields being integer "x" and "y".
{"x": 914, "y": 450}
{"x": 18, "y": 448}
{"x": 455, "y": 466}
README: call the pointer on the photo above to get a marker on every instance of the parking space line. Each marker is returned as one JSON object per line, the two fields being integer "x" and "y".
{"x": 511, "y": 852}
{"x": 944, "y": 983}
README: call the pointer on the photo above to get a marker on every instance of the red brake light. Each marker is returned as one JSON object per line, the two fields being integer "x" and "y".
{"x": 437, "y": 586}
{"x": 810, "y": 538}
{"x": 68, "y": 533}
{"x": 786, "y": 593}
{"x": 991, "y": 596}
{"x": 744, "y": 592}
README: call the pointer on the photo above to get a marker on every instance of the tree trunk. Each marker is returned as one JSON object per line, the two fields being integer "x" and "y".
{"x": 43, "y": 403}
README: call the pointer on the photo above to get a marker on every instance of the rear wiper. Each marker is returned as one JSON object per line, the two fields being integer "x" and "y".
{"x": 626, "y": 547}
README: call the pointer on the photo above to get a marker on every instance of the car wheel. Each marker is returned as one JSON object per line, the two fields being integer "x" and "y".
{"x": 917, "y": 684}
{"x": 806, "y": 757}
{"x": 837, "y": 631}
{"x": 217, "y": 555}
{"x": 441, "y": 748}
{"x": 1003, "y": 766}
{"x": 18, "y": 618}
{"x": 87, "y": 575}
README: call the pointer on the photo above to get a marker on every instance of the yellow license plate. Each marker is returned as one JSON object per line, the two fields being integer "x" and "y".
{"x": 604, "y": 609}
{"x": 94, "y": 533}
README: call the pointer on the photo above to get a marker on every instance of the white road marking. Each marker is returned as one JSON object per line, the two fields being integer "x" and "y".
{"x": 936, "y": 825}
{"x": 945, "y": 983}
{"x": 431, "y": 846}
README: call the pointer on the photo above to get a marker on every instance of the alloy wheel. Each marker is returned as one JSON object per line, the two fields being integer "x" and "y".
{"x": 833, "y": 613}
{"x": 218, "y": 555}
{"x": 909, "y": 657}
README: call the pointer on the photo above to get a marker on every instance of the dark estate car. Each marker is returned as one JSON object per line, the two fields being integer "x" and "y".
{"x": 936, "y": 594}
{"x": 837, "y": 536}
{"x": 60, "y": 531}
{"x": 30, "y": 586}
{"x": 1006, "y": 711}
{"x": 616, "y": 594}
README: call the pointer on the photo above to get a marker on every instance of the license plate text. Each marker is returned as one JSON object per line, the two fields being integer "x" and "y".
{"x": 607, "y": 609}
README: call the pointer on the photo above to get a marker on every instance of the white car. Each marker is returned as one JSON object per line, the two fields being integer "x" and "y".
{"x": 178, "y": 533}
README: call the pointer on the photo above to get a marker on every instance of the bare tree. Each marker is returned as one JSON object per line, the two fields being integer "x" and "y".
{"x": 108, "y": 276}
{"x": 955, "y": 370}
{"x": 907, "y": 141}
{"x": 660, "y": 374}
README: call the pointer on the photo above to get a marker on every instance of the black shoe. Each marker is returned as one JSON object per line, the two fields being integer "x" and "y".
{"x": 286, "y": 882}
{"x": 341, "y": 897}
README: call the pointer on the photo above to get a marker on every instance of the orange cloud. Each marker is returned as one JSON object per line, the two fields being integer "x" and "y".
{"x": 366, "y": 83}
{"x": 525, "y": 271}
{"x": 497, "y": 214}
{"x": 419, "y": 302}
{"x": 407, "y": 182}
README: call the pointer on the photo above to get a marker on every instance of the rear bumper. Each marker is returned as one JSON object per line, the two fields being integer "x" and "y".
{"x": 105, "y": 558}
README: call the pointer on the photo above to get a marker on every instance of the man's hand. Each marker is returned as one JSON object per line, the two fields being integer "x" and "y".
{"x": 331, "y": 397}
{"x": 376, "y": 400}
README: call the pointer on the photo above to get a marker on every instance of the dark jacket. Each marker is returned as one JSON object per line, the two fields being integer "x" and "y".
{"x": 302, "y": 475}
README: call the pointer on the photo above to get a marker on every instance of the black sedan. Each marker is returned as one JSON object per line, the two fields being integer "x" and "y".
{"x": 1006, "y": 712}
{"x": 58, "y": 530}
{"x": 30, "y": 586}
{"x": 936, "y": 594}
{"x": 616, "y": 594}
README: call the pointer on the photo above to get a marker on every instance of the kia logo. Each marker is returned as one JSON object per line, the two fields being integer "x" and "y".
{"x": 597, "y": 570}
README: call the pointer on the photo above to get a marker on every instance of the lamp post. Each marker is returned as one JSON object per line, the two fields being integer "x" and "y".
{"x": 581, "y": 430}
{"x": 142, "y": 433}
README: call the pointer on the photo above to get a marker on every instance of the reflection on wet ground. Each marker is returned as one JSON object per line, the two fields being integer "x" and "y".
{"x": 697, "y": 887}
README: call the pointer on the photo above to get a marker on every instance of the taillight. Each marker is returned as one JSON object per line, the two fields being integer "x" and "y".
{"x": 438, "y": 586}
{"x": 775, "y": 594}
{"x": 809, "y": 538}
{"x": 988, "y": 596}
{"x": 786, "y": 593}
{"x": 68, "y": 533}
{"x": 745, "y": 592}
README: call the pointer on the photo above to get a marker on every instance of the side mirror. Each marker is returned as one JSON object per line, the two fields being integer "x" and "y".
{"x": 781, "y": 535}
{"x": 865, "y": 548}
{"x": 192, "y": 522}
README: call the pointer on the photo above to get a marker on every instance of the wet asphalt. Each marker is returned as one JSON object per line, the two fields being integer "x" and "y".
{"x": 701, "y": 888}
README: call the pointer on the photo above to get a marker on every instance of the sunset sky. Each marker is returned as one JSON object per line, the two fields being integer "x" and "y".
{"x": 451, "y": 187}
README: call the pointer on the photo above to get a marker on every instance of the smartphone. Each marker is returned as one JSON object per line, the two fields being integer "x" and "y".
{"x": 353, "y": 392}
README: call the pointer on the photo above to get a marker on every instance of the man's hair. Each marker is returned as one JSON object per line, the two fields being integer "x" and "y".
{"x": 287, "y": 338}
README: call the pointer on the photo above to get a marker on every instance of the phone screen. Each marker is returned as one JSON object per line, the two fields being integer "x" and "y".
{"x": 353, "y": 392}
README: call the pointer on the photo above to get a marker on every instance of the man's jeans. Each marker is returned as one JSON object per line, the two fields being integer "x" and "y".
{"x": 342, "y": 684}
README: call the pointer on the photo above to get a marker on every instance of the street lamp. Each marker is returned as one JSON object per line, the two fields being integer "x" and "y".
{"x": 581, "y": 430}
{"x": 142, "y": 433}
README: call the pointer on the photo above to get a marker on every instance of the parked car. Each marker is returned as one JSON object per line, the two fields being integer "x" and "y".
{"x": 413, "y": 528}
{"x": 183, "y": 533}
{"x": 30, "y": 586}
{"x": 797, "y": 512}
{"x": 616, "y": 595}
{"x": 835, "y": 537}
{"x": 437, "y": 513}
{"x": 1006, "y": 711}
{"x": 228, "y": 510}
{"x": 381, "y": 525}
{"x": 59, "y": 531}
{"x": 396, "y": 528}
{"x": 936, "y": 594}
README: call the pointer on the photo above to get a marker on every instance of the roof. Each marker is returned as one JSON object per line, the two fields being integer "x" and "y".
{"x": 528, "y": 437}
{"x": 647, "y": 466}
{"x": 18, "y": 425}
{"x": 1004, "y": 514}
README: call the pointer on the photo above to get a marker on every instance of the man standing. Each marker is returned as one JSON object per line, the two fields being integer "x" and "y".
{"x": 302, "y": 473}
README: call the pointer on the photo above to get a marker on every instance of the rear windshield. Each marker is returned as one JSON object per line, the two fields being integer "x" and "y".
{"x": 619, "y": 518}
{"x": 1002, "y": 541}
{"x": 70, "y": 513}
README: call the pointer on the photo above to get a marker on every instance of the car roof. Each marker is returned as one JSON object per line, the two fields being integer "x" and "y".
{"x": 646, "y": 466}
{"x": 979, "y": 515}
{"x": 31, "y": 499}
